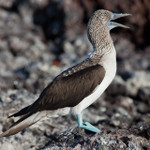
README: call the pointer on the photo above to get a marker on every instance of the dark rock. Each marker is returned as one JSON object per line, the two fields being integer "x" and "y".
{"x": 144, "y": 94}
{"x": 22, "y": 73}
{"x": 51, "y": 19}
{"x": 125, "y": 75}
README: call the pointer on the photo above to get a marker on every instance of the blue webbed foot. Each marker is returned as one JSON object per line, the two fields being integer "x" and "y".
{"x": 87, "y": 125}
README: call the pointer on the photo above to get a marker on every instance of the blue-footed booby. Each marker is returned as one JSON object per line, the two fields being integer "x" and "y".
{"x": 79, "y": 86}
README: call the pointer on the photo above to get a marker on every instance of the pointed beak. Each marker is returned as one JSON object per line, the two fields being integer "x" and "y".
{"x": 116, "y": 16}
{"x": 113, "y": 24}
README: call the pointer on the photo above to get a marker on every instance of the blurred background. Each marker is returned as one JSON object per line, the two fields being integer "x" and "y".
{"x": 41, "y": 38}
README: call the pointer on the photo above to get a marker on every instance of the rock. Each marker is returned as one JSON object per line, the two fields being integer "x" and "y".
{"x": 52, "y": 24}
{"x": 126, "y": 75}
{"x": 22, "y": 73}
{"x": 132, "y": 84}
{"x": 140, "y": 79}
{"x": 118, "y": 87}
{"x": 6, "y": 146}
{"x": 18, "y": 44}
{"x": 142, "y": 107}
{"x": 7, "y": 4}
{"x": 144, "y": 94}
{"x": 76, "y": 138}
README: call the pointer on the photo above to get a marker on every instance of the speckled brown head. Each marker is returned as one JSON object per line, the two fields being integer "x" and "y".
{"x": 99, "y": 26}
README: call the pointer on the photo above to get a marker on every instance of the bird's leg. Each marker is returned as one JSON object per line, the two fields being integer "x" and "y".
{"x": 86, "y": 125}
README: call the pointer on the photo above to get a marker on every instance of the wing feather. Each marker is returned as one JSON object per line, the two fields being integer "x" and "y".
{"x": 68, "y": 91}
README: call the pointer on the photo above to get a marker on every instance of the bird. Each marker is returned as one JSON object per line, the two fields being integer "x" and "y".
{"x": 79, "y": 86}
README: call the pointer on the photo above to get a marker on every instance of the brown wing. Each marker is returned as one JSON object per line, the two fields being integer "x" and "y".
{"x": 66, "y": 91}
{"x": 70, "y": 90}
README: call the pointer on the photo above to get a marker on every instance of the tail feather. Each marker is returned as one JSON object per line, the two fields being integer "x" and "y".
{"x": 21, "y": 112}
{"x": 24, "y": 122}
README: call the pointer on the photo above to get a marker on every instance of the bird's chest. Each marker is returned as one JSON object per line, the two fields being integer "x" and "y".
{"x": 109, "y": 63}
{"x": 110, "y": 69}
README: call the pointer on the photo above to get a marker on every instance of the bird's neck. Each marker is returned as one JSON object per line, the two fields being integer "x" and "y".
{"x": 104, "y": 46}
{"x": 104, "y": 52}
{"x": 101, "y": 40}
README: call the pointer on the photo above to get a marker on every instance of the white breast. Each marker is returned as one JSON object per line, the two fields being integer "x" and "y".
{"x": 109, "y": 63}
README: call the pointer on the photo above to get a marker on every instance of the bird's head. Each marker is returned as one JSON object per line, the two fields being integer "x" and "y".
{"x": 100, "y": 23}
